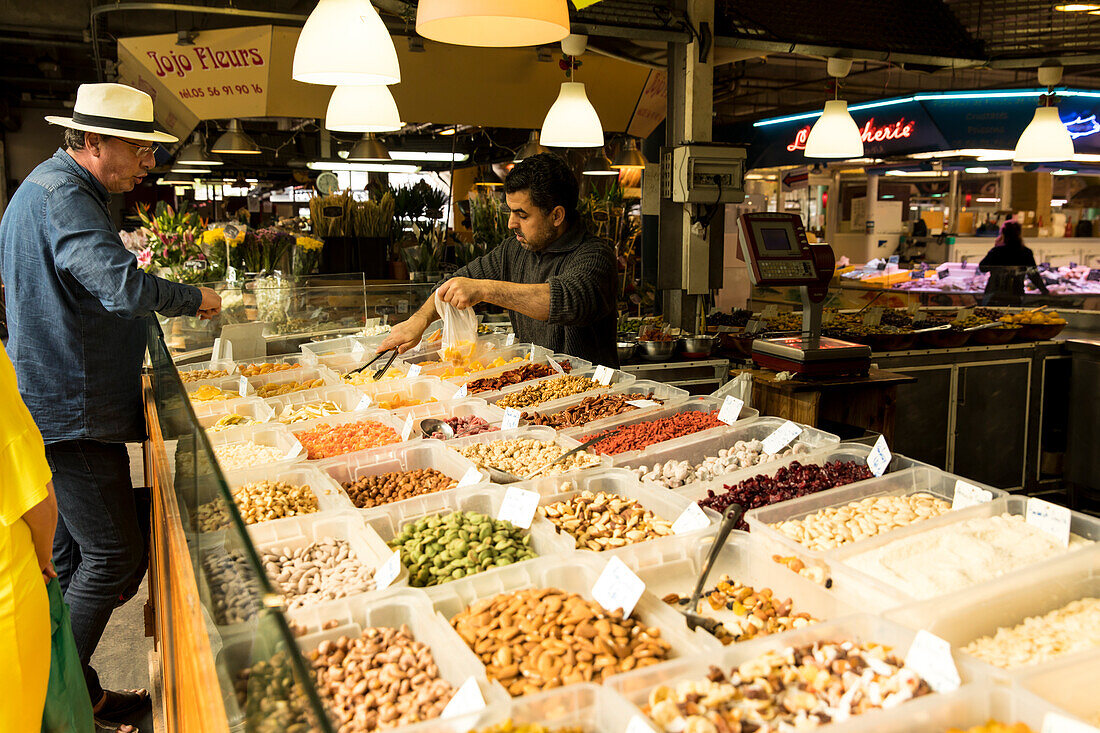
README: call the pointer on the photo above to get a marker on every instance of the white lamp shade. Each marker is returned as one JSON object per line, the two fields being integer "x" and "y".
{"x": 572, "y": 121}
{"x": 835, "y": 134}
{"x": 1045, "y": 140}
{"x": 362, "y": 109}
{"x": 495, "y": 23}
{"x": 345, "y": 42}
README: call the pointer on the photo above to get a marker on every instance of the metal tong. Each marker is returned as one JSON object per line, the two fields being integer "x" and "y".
{"x": 729, "y": 520}
{"x": 378, "y": 374}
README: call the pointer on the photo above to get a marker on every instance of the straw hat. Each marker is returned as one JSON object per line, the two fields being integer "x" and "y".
{"x": 113, "y": 109}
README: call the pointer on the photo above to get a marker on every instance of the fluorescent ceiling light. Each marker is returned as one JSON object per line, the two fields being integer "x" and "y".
{"x": 977, "y": 169}
{"x": 1076, "y": 7}
{"x": 988, "y": 200}
{"x": 1063, "y": 172}
{"x": 1045, "y": 140}
{"x": 1058, "y": 202}
{"x": 339, "y": 165}
{"x": 493, "y": 23}
{"x": 345, "y": 42}
{"x": 917, "y": 174}
{"x": 990, "y": 153}
{"x": 362, "y": 109}
{"x": 177, "y": 169}
{"x": 572, "y": 121}
{"x": 835, "y": 134}
{"x": 425, "y": 156}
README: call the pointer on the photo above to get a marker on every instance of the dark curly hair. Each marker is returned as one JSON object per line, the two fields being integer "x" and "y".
{"x": 548, "y": 181}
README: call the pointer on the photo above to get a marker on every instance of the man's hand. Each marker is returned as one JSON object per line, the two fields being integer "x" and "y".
{"x": 463, "y": 292}
{"x": 211, "y": 304}
{"x": 48, "y": 573}
{"x": 404, "y": 335}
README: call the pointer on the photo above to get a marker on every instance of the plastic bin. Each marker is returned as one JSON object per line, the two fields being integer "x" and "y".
{"x": 635, "y": 686}
{"x": 1070, "y": 687}
{"x": 576, "y": 365}
{"x": 665, "y": 504}
{"x": 676, "y": 567}
{"x": 468, "y": 407}
{"x": 618, "y": 379}
{"x": 575, "y": 574}
{"x": 330, "y": 497}
{"x": 347, "y": 398}
{"x": 270, "y": 435}
{"x": 277, "y": 359}
{"x": 963, "y": 617}
{"x": 419, "y": 389}
{"x": 484, "y": 353}
{"x": 914, "y": 480}
{"x": 226, "y": 365}
{"x": 694, "y": 448}
{"x": 295, "y": 532}
{"x": 372, "y": 415}
{"x": 667, "y": 395}
{"x": 423, "y": 454}
{"x": 388, "y": 519}
{"x": 879, "y": 595}
{"x": 250, "y": 407}
{"x": 531, "y": 432}
{"x": 227, "y": 384}
{"x": 301, "y": 374}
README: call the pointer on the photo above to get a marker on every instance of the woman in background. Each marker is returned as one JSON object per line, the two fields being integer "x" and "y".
{"x": 1008, "y": 263}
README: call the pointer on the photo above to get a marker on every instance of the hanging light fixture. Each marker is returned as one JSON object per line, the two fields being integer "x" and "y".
{"x": 835, "y": 134}
{"x": 629, "y": 156}
{"x": 362, "y": 109}
{"x": 369, "y": 148}
{"x": 235, "y": 141}
{"x": 598, "y": 164}
{"x": 486, "y": 176}
{"x": 572, "y": 121}
{"x": 345, "y": 42}
{"x": 493, "y": 23}
{"x": 176, "y": 179}
{"x": 1046, "y": 139}
{"x": 194, "y": 153}
{"x": 531, "y": 147}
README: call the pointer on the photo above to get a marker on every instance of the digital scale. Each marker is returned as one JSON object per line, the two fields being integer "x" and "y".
{"x": 778, "y": 253}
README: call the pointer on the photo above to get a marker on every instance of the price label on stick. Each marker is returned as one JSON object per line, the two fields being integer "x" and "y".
{"x": 359, "y": 352}
{"x": 691, "y": 519}
{"x": 643, "y": 403}
{"x": 753, "y": 327}
{"x": 872, "y": 317}
{"x": 603, "y": 375}
{"x": 770, "y": 311}
{"x": 509, "y": 339}
{"x": 387, "y": 572}
{"x": 1050, "y": 518}
{"x": 782, "y": 437}
{"x": 518, "y": 507}
{"x": 414, "y": 370}
{"x": 637, "y": 724}
{"x": 913, "y": 307}
{"x": 471, "y": 477}
{"x": 407, "y": 428}
{"x": 364, "y": 403}
{"x": 878, "y": 460}
{"x": 618, "y": 587}
{"x": 930, "y": 657}
{"x": 462, "y": 391}
{"x": 967, "y": 494}
{"x": 511, "y": 419}
{"x": 555, "y": 366}
{"x": 467, "y": 699}
{"x": 731, "y": 409}
{"x": 1055, "y": 723}
{"x": 242, "y": 386}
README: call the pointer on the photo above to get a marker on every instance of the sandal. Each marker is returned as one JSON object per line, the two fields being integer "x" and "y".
{"x": 122, "y": 708}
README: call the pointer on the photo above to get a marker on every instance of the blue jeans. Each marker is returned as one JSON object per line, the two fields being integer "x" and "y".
{"x": 98, "y": 548}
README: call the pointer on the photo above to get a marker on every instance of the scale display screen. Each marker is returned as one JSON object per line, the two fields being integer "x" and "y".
{"x": 777, "y": 239}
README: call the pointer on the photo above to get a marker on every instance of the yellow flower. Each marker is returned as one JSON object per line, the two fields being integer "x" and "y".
{"x": 213, "y": 236}
{"x": 309, "y": 243}
{"x": 237, "y": 240}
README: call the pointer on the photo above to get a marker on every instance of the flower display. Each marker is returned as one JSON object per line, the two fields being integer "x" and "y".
{"x": 307, "y": 255}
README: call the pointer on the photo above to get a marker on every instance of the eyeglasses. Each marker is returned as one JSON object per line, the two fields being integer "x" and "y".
{"x": 140, "y": 150}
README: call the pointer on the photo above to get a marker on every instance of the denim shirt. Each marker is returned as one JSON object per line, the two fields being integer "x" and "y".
{"x": 77, "y": 305}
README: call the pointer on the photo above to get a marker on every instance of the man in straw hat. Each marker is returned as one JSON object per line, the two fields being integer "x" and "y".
{"x": 78, "y": 312}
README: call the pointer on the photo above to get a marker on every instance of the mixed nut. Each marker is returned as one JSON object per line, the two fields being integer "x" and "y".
{"x": 756, "y": 612}
{"x": 601, "y": 521}
{"x": 535, "y": 394}
{"x": 592, "y": 407}
{"x": 673, "y": 474}
{"x": 382, "y": 488}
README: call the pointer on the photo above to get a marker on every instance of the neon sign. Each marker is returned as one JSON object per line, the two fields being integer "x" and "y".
{"x": 1082, "y": 126}
{"x": 869, "y": 133}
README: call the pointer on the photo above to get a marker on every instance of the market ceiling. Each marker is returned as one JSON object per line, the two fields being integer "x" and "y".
{"x": 770, "y": 53}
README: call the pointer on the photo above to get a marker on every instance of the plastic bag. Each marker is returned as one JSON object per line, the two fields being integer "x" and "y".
{"x": 68, "y": 708}
{"x": 459, "y": 328}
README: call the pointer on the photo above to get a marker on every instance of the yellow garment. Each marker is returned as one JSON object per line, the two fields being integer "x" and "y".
{"x": 24, "y": 606}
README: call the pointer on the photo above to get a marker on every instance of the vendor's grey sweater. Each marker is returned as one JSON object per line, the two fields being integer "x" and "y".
{"x": 582, "y": 271}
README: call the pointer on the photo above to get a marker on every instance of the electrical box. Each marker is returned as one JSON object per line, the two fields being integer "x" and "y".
{"x": 703, "y": 173}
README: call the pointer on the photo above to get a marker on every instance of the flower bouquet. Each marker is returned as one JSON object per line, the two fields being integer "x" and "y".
{"x": 307, "y": 255}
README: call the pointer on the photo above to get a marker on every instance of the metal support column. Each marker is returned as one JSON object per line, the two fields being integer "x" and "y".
{"x": 953, "y": 204}
{"x": 832, "y": 209}
{"x": 872, "y": 198}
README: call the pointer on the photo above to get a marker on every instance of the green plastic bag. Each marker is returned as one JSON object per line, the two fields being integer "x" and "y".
{"x": 68, "y": 708}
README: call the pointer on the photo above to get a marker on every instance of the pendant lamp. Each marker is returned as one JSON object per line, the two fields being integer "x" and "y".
{"x": 629, "y": 156}
{"x": 835, "y": 134}
{"x": 234, "y": 141}
{"x": 345, "y": 42}
{"x": 362, "y": 109}
{"x": 599, "y": 165}
{"x": 486, "y": 176}
{"x": 531, "y": 147}
{"x": 572, "y": 121}
{"x": 1046, "y": 139}
{"x": 194, "y": 153}
{"x": 493, "y": 23}
{"x": 369, "y": 148}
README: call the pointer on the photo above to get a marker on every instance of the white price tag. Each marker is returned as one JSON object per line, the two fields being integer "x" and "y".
{"x": 407, "y": 428}
{"x": 388, "y": 571}
{"x": 643, "y": 403}
{"x": 471, "y": 477}
{"x": 930, "y": 657}
{"x": 1050, "y": 518}
{"x": 242, "y": 386}
{"x": 370, "y": 323}
{"x": 519, "y": 507}
{"x": 872, "y": 317}
{"x": 782, "y": 437}
{"x": 509, "y": 339}
{"x": 364, "y": 403}
{"x": 964, "y": 313}
{"x": 603, "y": 375}
{"x": 555, "y": 366}
{"x": 878, "y": 460}
{"x": 913, "y": 307}
{"x": 770, "y": 311}
{"x": 467, "y": 699}
{"x": 967, "y": 494}
{"x": 414, "y": 370}
{"x": 1055, "y": 723}
{"x": 358, "y": 352}
{"x": 295, "y": 451}
{"x": 691, "y": 519}
{"x": 637, "y": 724}
{"x": 618, "y": 587}
{"x": 731, "y": 409}
{"x": 461, "y": 393}
{"x": 511, "y": 419}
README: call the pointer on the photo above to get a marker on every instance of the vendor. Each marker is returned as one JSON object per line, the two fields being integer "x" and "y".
{"x": 1008, "y": 263}
{"x": 556, "y": 281}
